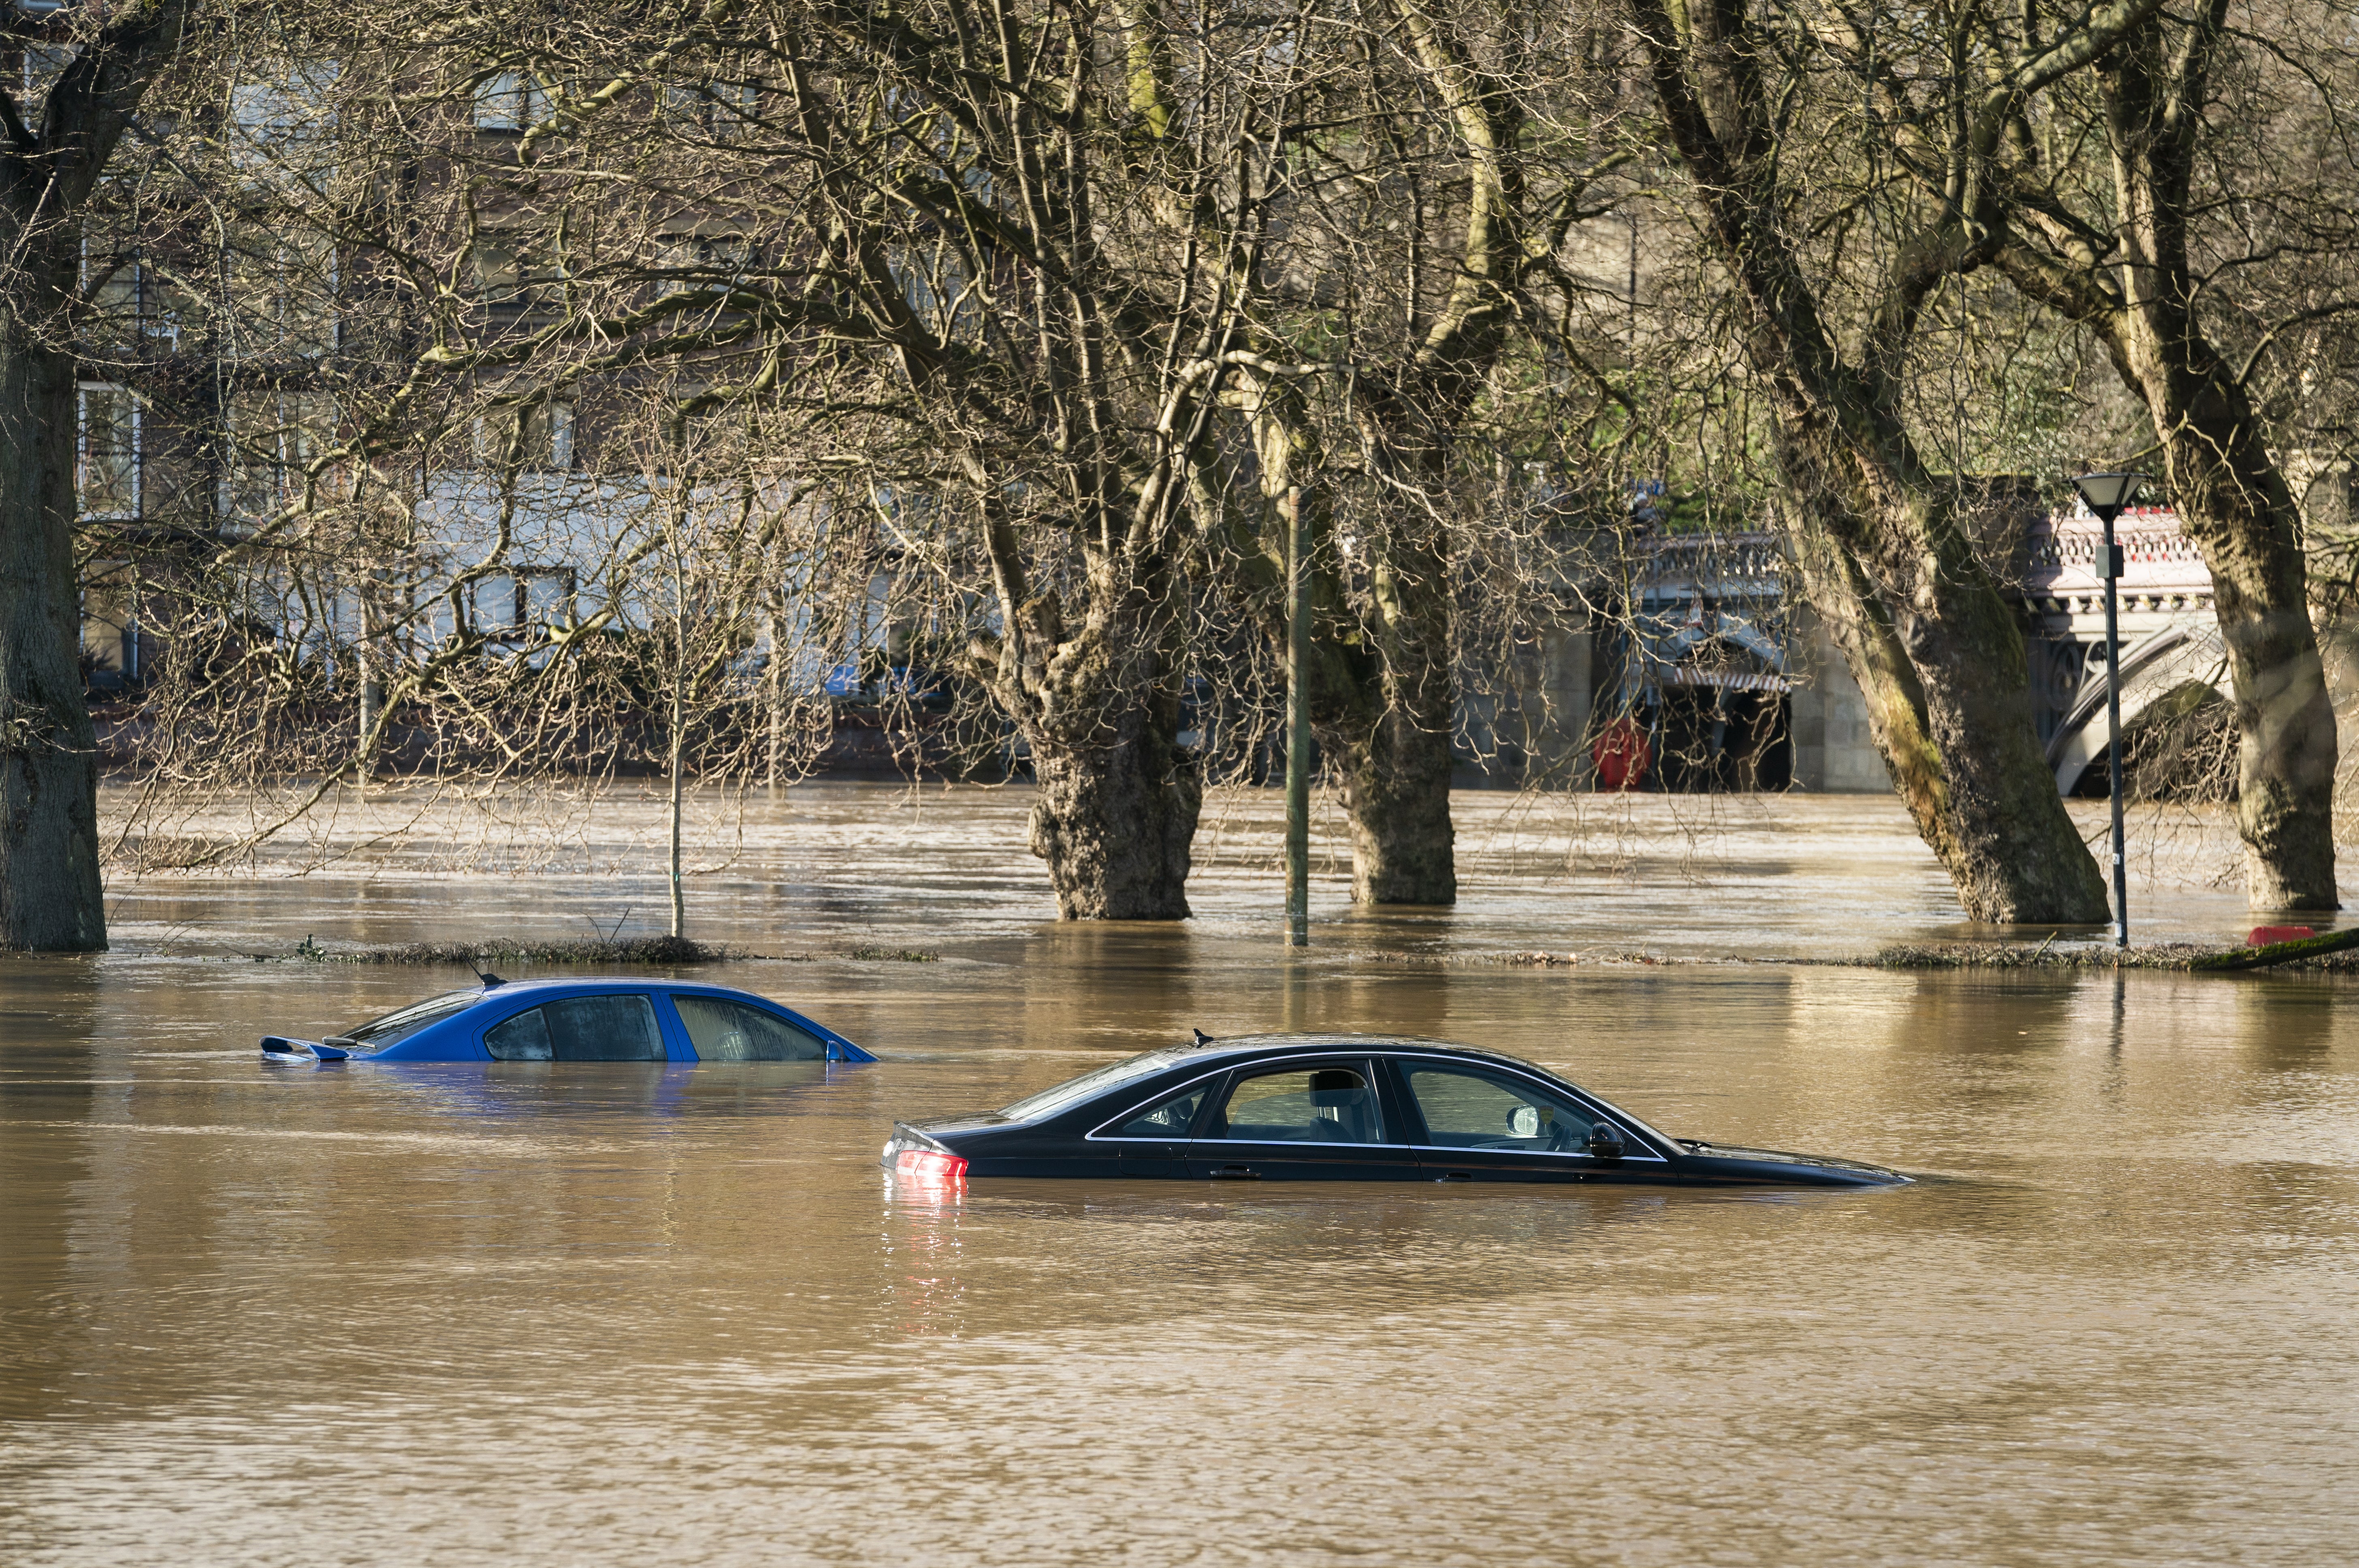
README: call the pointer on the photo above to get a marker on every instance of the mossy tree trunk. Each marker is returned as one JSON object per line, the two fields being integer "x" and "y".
{"x": 1385, "y": 704}
{"x": 1383, "y": 691}
{"x": 1885, "y": 546}
{"x": 1098, "y": 706}
{"x": 2128, "y": 274}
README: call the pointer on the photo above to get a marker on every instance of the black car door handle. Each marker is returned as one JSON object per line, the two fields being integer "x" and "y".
{"x": 1238, "y": 1173}
{"x": 1455, "y": 1176}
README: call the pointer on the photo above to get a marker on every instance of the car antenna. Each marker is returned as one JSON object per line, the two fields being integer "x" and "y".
{"x": 1202, "y": 1038}
{"x": 491, "y": 981}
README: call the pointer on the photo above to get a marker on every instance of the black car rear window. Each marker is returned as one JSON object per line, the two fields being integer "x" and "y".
{"x": 1072, "y": 1091}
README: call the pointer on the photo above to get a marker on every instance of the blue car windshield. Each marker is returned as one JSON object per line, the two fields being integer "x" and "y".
{"x": 1072, "y": 1091}
{"x": 400, "y": 1026}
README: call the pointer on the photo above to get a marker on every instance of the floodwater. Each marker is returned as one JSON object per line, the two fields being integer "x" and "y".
{"x": 529, "y": 1314}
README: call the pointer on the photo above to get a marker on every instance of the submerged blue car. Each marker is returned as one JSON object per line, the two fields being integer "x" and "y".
{"x": 580, "y": 1021}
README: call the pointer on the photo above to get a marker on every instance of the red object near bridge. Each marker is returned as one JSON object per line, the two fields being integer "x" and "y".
{"x": 1621, "y": 755}
{"x": 2270, "y": 935}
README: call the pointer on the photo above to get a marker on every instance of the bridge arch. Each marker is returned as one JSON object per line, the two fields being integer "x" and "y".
{"x": 2158, "y": 673}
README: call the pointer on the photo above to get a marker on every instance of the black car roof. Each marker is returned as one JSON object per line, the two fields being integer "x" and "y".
{"x": 1245, "y": 1046}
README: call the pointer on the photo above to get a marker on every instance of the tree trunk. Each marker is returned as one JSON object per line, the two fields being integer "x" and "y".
{"x": 51, "y": 899}
{"x": 1397, "y": 794}
{"x": 1115, "y": 819}
{"x": 2230, "y": 495}
{"x": 1395, "y": 748}
{"x": 1943, "y": 674}
{"x": 2234, "y": 503}
{"x": 1396, "y": 761}
{"x": 2139, "y": 296}
{"x": 1383, "y": 690}
{"x": 1882, "y": 541}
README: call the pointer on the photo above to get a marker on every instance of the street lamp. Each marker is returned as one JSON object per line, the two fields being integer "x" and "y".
{"x": 1298, "y": 722}
{"x": 2106, "y": 495}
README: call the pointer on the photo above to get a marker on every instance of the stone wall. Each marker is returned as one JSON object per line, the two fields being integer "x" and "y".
{"x": 1833, "y": 752}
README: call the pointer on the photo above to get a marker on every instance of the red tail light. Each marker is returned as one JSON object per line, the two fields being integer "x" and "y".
{"x": 929, "y": 1165}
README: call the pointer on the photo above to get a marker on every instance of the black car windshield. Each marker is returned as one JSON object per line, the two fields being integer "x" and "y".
{"x": 1072, "y": 1091}
{"x": 400, "y": 1026}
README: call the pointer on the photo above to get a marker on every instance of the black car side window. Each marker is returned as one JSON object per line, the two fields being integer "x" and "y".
{"x": 1478, "y": 1110}
{"x": 1301, "y": 1105}
{"x": 1171, "y": 1118}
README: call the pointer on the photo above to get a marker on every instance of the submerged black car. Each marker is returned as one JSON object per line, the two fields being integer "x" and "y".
{"x": 1337, "y": 1108}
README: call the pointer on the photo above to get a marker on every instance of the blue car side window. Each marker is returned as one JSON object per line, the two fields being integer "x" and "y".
{"x": 524, "y": 1038}
{"x": 579, "y": 1028}
{"x": 604, "y": 1028}
{"x": 731, "y": 1031}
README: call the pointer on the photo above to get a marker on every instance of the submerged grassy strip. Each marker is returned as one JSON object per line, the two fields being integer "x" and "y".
{"x": 2337, "y": 951}
{"x": 675, "y": 952}
{"x": 659, "y": 950}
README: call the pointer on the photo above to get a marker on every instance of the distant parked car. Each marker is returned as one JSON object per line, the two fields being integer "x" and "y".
{"x": 580, "y": 1021}
{"x": 1337, "y": 1108}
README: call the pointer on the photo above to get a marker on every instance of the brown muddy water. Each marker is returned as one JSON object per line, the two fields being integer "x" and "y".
{"x": 530, "y": 1315}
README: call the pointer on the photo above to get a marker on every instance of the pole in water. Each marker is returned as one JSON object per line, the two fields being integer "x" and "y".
{"x": 1298, "y": 722}
{"x": 2114, "y": 737}
{"x": 2106, "y": 495}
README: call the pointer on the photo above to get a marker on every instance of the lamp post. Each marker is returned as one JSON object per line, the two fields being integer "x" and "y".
{"x": 2106, "y": 495}
{"x": 1298, "y": 722}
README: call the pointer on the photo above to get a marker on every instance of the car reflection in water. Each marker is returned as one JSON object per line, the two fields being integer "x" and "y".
{"x": 1335, "y": 1108}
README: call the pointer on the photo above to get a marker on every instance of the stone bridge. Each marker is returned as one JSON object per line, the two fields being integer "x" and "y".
{"x": 1717, "y": 659}
{"x": 2171, "y": 654}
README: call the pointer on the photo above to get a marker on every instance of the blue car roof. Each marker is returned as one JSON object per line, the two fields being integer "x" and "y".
{"x": 613, "y": 982}
{"x": 451, "y": 1037}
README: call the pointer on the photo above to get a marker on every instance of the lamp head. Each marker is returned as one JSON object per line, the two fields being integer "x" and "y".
{"x": 2107, "y": 494}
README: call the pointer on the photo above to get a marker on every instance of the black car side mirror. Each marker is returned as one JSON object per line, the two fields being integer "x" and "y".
{"x": 1606, "y": 1141}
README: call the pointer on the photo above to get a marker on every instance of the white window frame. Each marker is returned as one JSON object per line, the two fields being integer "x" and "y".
{"x": 82, "y": 391}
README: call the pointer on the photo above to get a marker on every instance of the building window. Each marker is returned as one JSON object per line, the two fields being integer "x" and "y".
{"x": 509, "y": 100}
{"x": 282, "y": 112}
{"x": 107, "y": 465}
{"x": 273, "y": 438}
{"x": 524, "y": 602}
{"x": 111, "y": 285}
{"x": 547, "y": 434}
{"x": 704, "y": 258}
{"x": 719, "y": 108}
{"x": 39, "y": 69}
{"x": 514, "y": 273}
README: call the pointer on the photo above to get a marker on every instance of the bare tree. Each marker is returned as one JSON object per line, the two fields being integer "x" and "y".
{"x": 426, "y": 415}
{"x": 2199, "y": 184}
{"x": 1888, "y": 549}
{"x": 1425, "y": 222}
{"x": 1030, "y": 277}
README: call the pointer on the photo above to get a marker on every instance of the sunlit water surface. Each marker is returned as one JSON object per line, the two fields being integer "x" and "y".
{"x": 532, "y": 1314}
